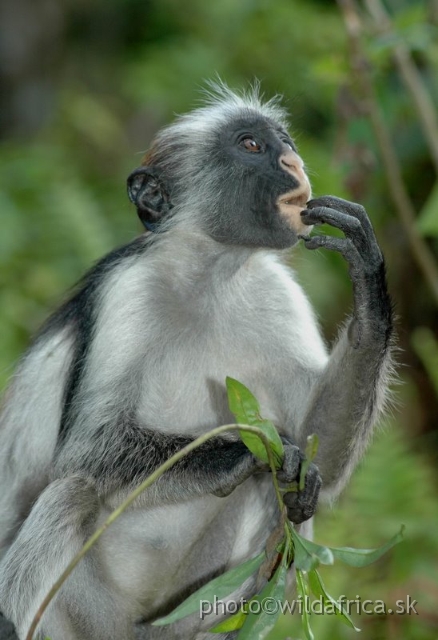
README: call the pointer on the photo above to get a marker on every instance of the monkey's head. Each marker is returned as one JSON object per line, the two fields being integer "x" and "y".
{"x": 229, "y": 168}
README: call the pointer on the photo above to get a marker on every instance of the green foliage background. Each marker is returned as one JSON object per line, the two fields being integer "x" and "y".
{"x": 86, "y": 85}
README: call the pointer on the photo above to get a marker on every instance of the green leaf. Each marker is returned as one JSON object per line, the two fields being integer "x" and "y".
{"x": 230, "y": 624}
{"x": 319, "y": 590}
{"x": 324, "y": 554}
{"x": 310, "y": 453}
{"x": 305, "y": 617}
{"x": 364, "y": 557}
{"x": 257, "y": 447}
{"x": 220, "y": 587}
{"x": 246, "y": 410}
{"x": 275, "y": 441}
{"x": 304, "y": 560}
{"x": 242, "y": 403}
{"x": 258, "y": 625}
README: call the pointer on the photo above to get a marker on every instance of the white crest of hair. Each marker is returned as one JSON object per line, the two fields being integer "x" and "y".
{"x": 218, "y": 94}
{"x": 220, "y": 105}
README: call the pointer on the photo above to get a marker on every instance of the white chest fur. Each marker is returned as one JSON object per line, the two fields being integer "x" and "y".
{"x": 191, "y": 319}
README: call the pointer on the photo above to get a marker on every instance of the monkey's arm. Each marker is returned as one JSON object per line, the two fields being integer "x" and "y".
{"x": 120, "y": 456}
{"x": 350, "y": 393}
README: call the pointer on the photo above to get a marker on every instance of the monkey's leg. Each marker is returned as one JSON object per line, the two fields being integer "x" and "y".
{"x": 56, "y": 528}
{"x": 350, "y": 392}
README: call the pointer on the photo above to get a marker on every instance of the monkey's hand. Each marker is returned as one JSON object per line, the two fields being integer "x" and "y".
{"x": 372, "y": 306}
{"x": 301, "y": 505}
{"x": 238, "y": 465}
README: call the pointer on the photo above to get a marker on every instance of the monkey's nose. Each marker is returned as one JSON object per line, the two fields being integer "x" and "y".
{"x": 292, "y": 162}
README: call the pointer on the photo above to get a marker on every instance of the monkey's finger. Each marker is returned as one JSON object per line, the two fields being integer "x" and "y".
{"x": 351, "y": 209}
{"x": 343, "y": 245}
{"x": 291, "y": 464}
{"x": 298, "y": 509}
{"x": 349, "y": 225}
{"x": 344, "y": 206}
{"x": 312, "y": 485}
{"x": 291, "y": 499}
{"x": 326, "y": 215}
{"x": 309, "y": 506}
{"x": 302, "y": 505}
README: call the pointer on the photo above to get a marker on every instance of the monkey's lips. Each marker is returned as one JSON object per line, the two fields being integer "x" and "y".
{"x": 290, "y": 206}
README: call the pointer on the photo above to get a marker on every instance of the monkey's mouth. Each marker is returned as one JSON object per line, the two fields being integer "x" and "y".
{"x": 290, "y": 206}
{"x": 296, "y": 198}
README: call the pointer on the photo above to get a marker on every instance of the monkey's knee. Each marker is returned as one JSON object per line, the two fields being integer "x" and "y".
{"x": 75, "y": 495}
{"x": 61, "y": 511}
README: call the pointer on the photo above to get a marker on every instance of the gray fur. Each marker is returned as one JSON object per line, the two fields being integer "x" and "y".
{"x": 169, "y": 323}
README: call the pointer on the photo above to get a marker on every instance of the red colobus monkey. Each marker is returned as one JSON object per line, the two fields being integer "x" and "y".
{"x": 133, "y": 366}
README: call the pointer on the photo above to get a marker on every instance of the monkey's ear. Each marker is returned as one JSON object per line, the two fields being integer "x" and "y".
{"x": 148, "y": 193}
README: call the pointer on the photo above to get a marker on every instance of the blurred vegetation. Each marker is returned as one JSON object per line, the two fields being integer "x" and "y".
{"x": 84, "y": 87}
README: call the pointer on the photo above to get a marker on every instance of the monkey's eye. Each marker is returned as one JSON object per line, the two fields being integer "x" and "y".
{"x": 251, "y": 145}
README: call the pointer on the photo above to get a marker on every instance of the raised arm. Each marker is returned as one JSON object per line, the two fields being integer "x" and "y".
{"x": 352, "y": 389}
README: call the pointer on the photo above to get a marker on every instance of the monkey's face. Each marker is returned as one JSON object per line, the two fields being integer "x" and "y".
{"x": 237, "y": 176}
{"x": 259, "y": 183}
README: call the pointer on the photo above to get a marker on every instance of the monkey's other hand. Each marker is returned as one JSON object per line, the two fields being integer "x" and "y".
{"x": 372, "y": 318}
{"x": 301, "y": 505}
{"x": 359, "y": 247}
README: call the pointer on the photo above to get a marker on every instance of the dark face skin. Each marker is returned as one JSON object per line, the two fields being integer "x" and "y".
{"x": 264, "y": 186}
{"x": 254, "y": 176}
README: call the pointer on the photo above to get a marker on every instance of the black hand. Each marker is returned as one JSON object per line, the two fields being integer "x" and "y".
{"x": 301, "y": 505}
{"x": 360, "y": 249}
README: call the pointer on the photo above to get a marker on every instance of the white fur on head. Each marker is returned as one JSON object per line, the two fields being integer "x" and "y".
{"x": 218, "y": 98}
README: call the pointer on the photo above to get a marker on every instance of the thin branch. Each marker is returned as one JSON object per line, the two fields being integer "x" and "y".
{"x": 411, "y": 78}
{"x": 135, "y": 494}
{"x": 404, "y": 207}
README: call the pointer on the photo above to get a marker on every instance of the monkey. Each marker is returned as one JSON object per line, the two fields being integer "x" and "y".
{"x": 132, "y": 367}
